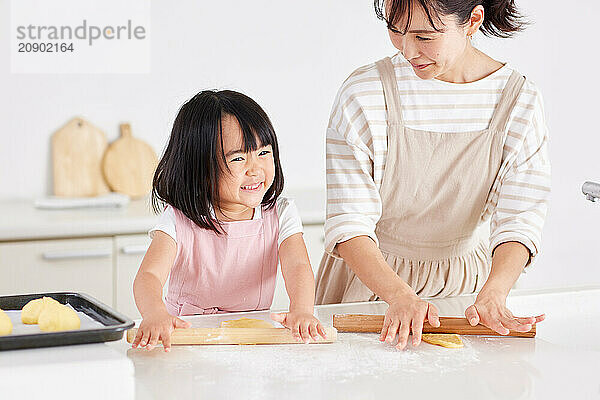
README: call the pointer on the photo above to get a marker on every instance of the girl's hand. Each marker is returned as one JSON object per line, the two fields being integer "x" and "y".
{"x": 304, "y": 325}
{"x": 407, "y": 313}
{"x": 157, "y": 327}
{"x": 490, "y": 310}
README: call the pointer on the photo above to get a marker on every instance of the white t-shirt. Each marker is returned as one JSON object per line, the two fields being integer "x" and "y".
{"x": 289, "y": 220}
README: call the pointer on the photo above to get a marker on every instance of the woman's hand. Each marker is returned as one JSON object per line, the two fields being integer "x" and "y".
{"x": 304, "y": 325}
{"x": 490, "y": 310}
{"x": 404, "y": 314}
{"x": 155, "y": 327}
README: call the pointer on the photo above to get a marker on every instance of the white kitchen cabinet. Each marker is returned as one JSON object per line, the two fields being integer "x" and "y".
{"x": 129, "y": 252}
{"x": 78, "y": 265}
{"x": 314, "y": 238}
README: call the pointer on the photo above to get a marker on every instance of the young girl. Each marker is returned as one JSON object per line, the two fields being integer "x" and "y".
{"x": 224, "y": 228}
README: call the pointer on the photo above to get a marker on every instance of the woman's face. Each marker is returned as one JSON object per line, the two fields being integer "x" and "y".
{"x": 431, "y": 53}
{"x": 250, "y": 174}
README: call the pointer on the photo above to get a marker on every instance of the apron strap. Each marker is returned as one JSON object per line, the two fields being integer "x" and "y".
{"x": 507, "y": 102}
{"x": 390, "y": 91}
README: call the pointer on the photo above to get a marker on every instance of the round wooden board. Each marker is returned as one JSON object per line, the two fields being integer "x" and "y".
{"x": 129, "y": 165}
{"x": 77, "y": 150}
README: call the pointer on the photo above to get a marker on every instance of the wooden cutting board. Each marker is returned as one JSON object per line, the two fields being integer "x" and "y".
{"x": 238, "y": 336}
{"x": 77, "y": 150}
{"x": 129, "y": 165}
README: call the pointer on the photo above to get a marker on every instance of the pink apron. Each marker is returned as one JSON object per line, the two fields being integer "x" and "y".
{"x": 223, "y": 273}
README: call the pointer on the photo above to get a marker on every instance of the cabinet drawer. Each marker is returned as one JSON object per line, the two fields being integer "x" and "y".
{"x": 78, "y": 265}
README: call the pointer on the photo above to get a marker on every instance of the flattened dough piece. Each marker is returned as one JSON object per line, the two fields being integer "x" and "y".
{"x": 246, "y": 323}
{"x": 451, "y": 341}
{"x": 31, "y": 311}
{"x": 5, "y": 324}
{"x": 58, "y": 318}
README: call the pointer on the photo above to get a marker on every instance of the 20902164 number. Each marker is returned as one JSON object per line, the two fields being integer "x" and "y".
{"x": 45, "y": 47}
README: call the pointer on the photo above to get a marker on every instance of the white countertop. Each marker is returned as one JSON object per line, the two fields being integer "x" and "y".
{"x": 563, "y": 361}
{"x": 22, "y": 221}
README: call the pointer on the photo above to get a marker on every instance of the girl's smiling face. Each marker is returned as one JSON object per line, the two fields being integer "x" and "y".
{"x": 435, "y": 53}
{"x": 245, "y": 177}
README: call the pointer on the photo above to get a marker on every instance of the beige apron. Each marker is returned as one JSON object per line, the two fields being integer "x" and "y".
{"x": 434, "y": 227}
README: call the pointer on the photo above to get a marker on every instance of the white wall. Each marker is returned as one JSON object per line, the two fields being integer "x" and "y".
{"x": 561, "y": 58}
{"x": 291, "y": 57}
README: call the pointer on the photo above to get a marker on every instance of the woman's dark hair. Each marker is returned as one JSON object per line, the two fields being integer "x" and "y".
{"x": 187, "y": 176}
{"x": 501, "y": 16}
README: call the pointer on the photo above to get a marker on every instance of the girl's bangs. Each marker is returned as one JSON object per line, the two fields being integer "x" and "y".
{"x": 254, "y": 133}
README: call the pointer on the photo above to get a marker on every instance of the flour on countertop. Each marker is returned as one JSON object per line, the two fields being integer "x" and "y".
{"x": 352, "y": 356}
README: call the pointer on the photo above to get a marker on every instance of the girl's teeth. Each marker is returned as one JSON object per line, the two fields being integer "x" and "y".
{"x": 251, "y": 187}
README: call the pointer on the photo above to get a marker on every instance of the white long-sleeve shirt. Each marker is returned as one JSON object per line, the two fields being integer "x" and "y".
{"x": 356, "y": 148}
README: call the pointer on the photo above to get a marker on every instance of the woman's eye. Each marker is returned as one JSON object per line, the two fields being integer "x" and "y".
{"x": 264, "y": 152}
{"x": 422, "y": 38}
{"x": 238, "y": 159}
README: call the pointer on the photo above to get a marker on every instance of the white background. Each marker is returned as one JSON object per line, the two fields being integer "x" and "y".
{"x": 291, "y": 57}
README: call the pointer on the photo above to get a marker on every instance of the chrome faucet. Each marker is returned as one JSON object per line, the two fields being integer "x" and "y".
{"x": 591, "y": 190}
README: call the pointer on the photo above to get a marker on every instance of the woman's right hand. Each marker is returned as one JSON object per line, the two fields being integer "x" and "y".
{"x": 407, "y": 313}
{"x": 155, "y": 327}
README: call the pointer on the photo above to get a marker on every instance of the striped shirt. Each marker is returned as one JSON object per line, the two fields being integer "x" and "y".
{"x": 356, "y": 148}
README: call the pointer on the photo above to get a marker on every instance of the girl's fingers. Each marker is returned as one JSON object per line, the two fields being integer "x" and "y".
{"x": 433, "y": 316}
{"x": 179, "y": 323}
{"x": 296, "y": 332}
{"x": 312, "y": 330}
{"x": 145, "y": 337}
{"x": 321, "y": 331}
{"x": 392, "y": 330}
{"x": 138, "y": 337}
{"x": 304, "y": 334}
{"x": 403, "y": 334}
{"x": 165, "y": 338}
{"x": 279, "y": 317}
{"x": 153, "y": 339}
{"x": 472, "y": 315}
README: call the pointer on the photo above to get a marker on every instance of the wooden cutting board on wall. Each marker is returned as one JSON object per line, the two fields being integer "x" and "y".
{"x": 77, "y": 151}
{"x": 129, "y": 165}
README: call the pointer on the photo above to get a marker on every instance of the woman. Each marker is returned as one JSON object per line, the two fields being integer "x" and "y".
{"x": 423, "y": 150}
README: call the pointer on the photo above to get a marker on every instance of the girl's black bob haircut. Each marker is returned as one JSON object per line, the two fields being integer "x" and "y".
{"x": 502, "y": 19}
{"x": 187, "y": 176}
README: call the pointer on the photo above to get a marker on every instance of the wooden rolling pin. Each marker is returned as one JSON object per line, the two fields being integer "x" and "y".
{"x": 238, "y": 336}
{"x": 374, "y": 323}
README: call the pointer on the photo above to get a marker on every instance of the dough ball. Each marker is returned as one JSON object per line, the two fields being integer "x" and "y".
{"x": 5, "y": 324}
{"x": 451, "y": 341}
{"x": 246, "y": 323}
{"x": 58, "y": 318}
{"x": 32, "y": 310}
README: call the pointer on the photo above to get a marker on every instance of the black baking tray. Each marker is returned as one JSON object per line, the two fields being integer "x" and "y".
{"x": 115, "y": 323}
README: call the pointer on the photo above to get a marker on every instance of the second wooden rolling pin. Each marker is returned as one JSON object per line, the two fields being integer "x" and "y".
{"x": 374, "y": 323}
